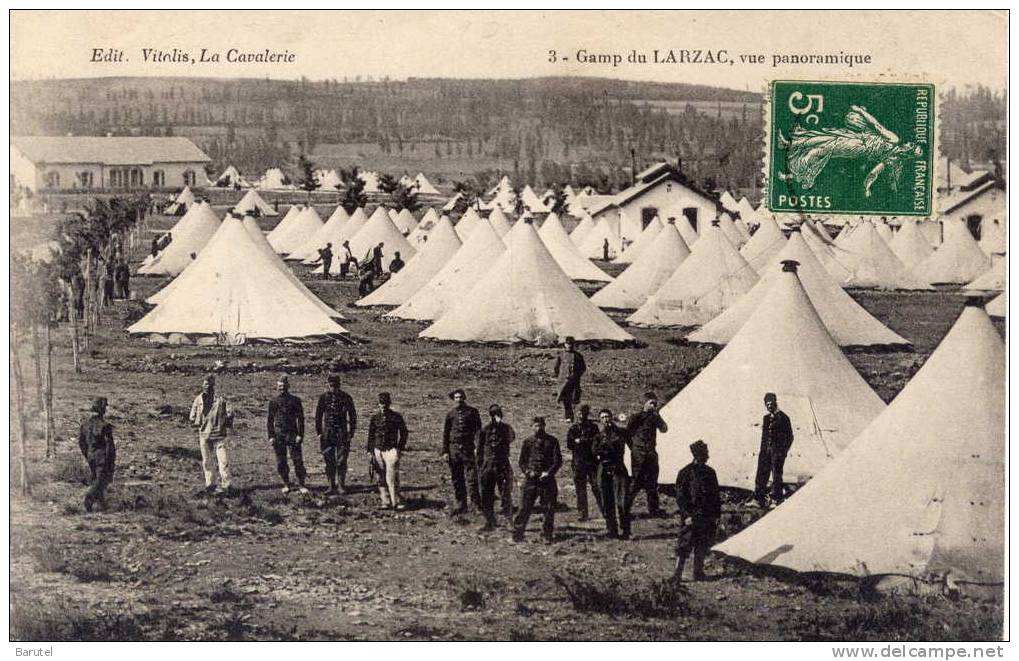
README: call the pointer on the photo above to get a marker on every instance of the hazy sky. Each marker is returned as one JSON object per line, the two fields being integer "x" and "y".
{"x": 953, "y": 48}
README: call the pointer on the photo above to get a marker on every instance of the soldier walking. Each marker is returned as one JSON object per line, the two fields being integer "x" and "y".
{"x": 387, "y": 439}
{"x": 494, "y": 467}
{"x": 540, "y": 459}
{"x": 335, "y": 424}
{"x": 569, "y": 368}
{"x": 776, "y": 439}
{"x": 579, "y": 441}
{"x": 642, "y": 434}
{"x": 608, "y": 448}
{"x": 459, "y": 440}
{"x": 211, "y": 415}
{"x": 95, "y": 439}
{"x": 285, "y": 425}
{"x": 325, "y": 255}
{"x": 700, "y": 506}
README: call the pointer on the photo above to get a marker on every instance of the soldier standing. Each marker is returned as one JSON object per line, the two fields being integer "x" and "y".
{"x": 325, "y": 255}
{"x": 776, "y": 439}
{"x": 540, "y": 459}
{"x": 335, "y": 424}
{"x": 95, "y": 439}
{"x": 579, "y": 440}
{"x": 700, "y": 506}
{"x": 212, "y": 417}
{"x": 608, "y": 449}
{"x": 387, "y": 438}
{"x": 642, "y": 432}
{"x": 459, "y": 434}
{"x": 285, "y": 425}
{"x": 569, "y": 368}
{"x": 494, "y": 467}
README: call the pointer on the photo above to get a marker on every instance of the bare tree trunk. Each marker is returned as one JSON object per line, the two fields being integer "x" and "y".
{"x": 18, "y": 391}
{"x": 37, "y": 365}
{"x": 48, "y": 395}
{"x": 72, "y": 314}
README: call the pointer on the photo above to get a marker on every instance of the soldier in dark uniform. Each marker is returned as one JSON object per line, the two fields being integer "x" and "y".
{"x": 776, "y": 439}
{"x": 95, "y": 439}
{"x": 569, "y": 368}
{"x": 325, "y": 255}
{"x": 540, "y": 459}
{"x": 613, "y": 483}
{"x": 579, "y": 440}
{"x": 700, "y": 506}
{"x": 397, "y": 264}
{"x": 335, "y": 424}
{"x": 377, "y": 260}
{"x": 285, "y": 425}
{"x": 459, "y": 440}
{"x": 494, "y": 466}
{"x": 642, "y": 434}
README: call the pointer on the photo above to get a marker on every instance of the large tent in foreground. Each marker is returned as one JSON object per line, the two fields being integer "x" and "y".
{"x": 846, "y": 320}
{"x": 233, "y": 294}
{"x": 782, "y": 348}
{"x": 525, "y": 297}
{"x": 919, "y": 495}
{"x": 189, "y": 234}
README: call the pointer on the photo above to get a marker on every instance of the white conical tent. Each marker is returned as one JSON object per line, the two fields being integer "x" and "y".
{"x": 525, "y": 297}
{"x": 392, "y": 214}
{"x": 745, "y": 210}
{"x": 957, "y": 260}
{"x": 683, "y": 224}
{"x": 405, "y": 221}
{"x": 593, "y": 245}
{"x": 345, "y": 232}
{"x": 418, "y": 235}
{"x": 451, "y": 204}
{"x": 190, "y": 235}
{"x": 531, "y": 201}
{"x": 998, "y": 306}
{"x": 728, "y": 202}
{"x": 497, "y": 219}
{"x": 872, "y": 264}
{"x": 582, "y": 229}
{"x": 566, "y": 254}
{"x": 645, "y": 239}
{"x": 762, "y": 247}
{"x": 931, "y": 230}
{"x": 230, "y": 178}
{"x": 328, "y": 179}
{"x": 823, "y": 232}
{"x": 181, "y": 203}
{"x": 325, "y": 234}
{"x": 232, "y": 294}
{"x": 452, "y": 283}
{"x": 920, "y": 493}
{"x": 274, "y": 179}
{"x": 711, "y": 279}
{"x": 846, "y": 321}
{"x": 425, "y": 187}
{"x": 467, "y": 223}
{"x": 909, "y": 245}
{"x": 285, "y": 225}
{"x": 835, "y": 259}
{"x": 503, "y": 185}
{"x": 252, "y": 203}
{"x": 649, "y": 272}
{"x": 783, "y": 348}
{"x": 306, "y": 223}
{"x": 884, "y": 231}
{"x": 442, "y": 244}
{"x": 992, "y": 236}
{"x": 994, "y": 278}
{"x": 729, "y": 230}
{"x": 380, "y": 229}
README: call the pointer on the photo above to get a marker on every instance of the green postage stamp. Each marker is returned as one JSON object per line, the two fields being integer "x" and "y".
{"x": 851, "y": 148}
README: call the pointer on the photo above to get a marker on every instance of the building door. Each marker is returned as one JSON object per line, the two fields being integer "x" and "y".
{"x": 973, "y": 224}
{"x": 690, "y": 213}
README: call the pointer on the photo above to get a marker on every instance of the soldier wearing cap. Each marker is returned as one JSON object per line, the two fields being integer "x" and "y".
{"x": 776, "y": 439}
{"x": 335, "y": 424}
{"x": 540, "y": 459}
{"x": 700, "y": 506}
{"x": 579, "y": 440}
{"x": 95, "y": 439}
{"x": 494, "y": 466}
{"x": 387, "y": 439}
{"x": 211, "y": 415}
{"x": 642, "y": 434}
{"x": 569, "y": 368}
{"x": 608, "y": 448}
{"x": 285, "y": 426}
{"x": 459, "y": 442}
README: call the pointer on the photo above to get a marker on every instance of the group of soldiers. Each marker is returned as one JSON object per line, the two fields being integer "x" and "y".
{"x": 368, "y": 269}
{"x": 479, "y": 457}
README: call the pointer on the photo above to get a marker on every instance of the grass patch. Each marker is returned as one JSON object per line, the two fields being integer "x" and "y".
{"x": 620, "y": 596}
{"x": 33, "y": 621}
{"x": 71, "y": 468}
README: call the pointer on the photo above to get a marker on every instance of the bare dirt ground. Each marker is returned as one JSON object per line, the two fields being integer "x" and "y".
{"x": 164, "y": 563}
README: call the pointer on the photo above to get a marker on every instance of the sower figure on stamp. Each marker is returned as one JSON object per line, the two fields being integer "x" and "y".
{"x": 700, "y": 506}
{"x": 335, "y": 424}
{"x": 211, "y": 415}
{"x": 459, "y": 440}
{"x": 95, "y": 440}
{"x": 776, "y": 439}
{"x": 613, "y": 483}
{"x": 285, "y": 426}
{"x": 579, "y": 440}
{"x": 540, "y": 459}
{"x": 494, "y": 467}
{"x": 387, "y": 439}
{"x": 569, "y": 368}
{"x": 642, "y": 434}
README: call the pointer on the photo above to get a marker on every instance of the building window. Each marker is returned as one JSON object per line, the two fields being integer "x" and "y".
{"x": 973, "y": 224}
{"x": 189, "y": 177}
{"x": 115, "y": 179}
{"x": 137, "y": 178}
{"x": 158, "y": 178}
{"x": 85, "y": 179}
{"x": 647, "y": 214}
{"x": 691, "y": 215}
{"x": 52, "y": 179}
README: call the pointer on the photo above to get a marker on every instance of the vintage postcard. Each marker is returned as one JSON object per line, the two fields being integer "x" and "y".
{"x": 500, "y": 326}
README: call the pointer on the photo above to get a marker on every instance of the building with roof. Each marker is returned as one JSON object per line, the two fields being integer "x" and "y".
{"x": 981, "y": 208}
{"x": 42, "y": 163}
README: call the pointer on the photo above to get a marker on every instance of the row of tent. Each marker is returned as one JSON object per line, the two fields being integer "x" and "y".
{"x": 275, "y": 179}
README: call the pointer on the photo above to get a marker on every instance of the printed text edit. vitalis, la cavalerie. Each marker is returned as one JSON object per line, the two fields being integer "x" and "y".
{"x": 190, "y": 57}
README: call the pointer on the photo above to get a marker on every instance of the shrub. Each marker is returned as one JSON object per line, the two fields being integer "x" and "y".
{"x": 614, "y": 595}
